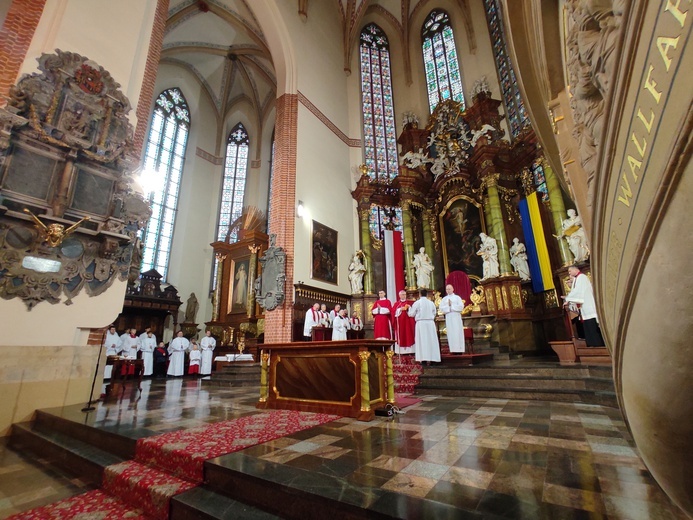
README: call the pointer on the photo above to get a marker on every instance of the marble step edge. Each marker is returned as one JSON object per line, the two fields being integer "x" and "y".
{"x": 204, "y": 504}
{"x": 481, "y": 371}
{"x": 585, "y": 396}
{"x": 457, "y": 375}
{"x": 276, "y": 489}
{"x": 119, "y": 445}
{"x": 63, "y": 451}
{"x": 543, "y": 384}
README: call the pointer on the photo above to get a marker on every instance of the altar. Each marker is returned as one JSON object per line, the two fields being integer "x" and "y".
{"x": 349, "y": 378}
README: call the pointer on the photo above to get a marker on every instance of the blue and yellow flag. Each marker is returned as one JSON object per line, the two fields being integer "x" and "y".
{"x": 535, "y": 241}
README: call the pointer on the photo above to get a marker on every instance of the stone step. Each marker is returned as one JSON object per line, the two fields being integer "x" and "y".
{"x": 47, "y": 421}
{"x": 495, "y": 382}
{"x": 557, "y": 372}
{"x": 204, "y": 504}
{"x": 63, "y": 451}
{"x": 533, "y": 394}
{"x": 301, "y": 494}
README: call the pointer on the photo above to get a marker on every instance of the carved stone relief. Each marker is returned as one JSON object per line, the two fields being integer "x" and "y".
{"x": 65, "y": 145}
{"x": 269, "y": 287}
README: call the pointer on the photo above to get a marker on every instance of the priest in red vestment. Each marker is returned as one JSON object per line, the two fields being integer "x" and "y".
{"x": 403, "y": 324}
{"x": 382, "y": 317}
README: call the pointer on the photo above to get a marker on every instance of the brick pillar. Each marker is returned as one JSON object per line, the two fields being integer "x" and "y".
{"x": 96, "y": 336}
{"x": 144, "y": 104}
{"x": 15, "y": 37}
{"x": 283, "y": 217}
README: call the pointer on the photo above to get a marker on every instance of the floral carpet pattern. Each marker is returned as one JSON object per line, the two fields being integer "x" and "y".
{"x": 169, "y": 464}
{"x": 183, "y": 453}
{"x": 406, "y": 372}
{"x": 93, "y": 505}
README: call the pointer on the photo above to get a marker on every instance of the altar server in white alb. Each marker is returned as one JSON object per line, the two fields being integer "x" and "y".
{"x": 111, "y": 343}
{"x": 147, "y": 330}
{"x": 147, "y": 346}
{"x": 207, "y": 345}
{"x": 177, "y": 348}
{"x": 581, "y": 296}
{"x": 452, "y": 305}
{"x": 340, "y": 325}
{"x": 128, "y": 344}
{"x": 312, "y": 320}
{"x": 424, "y": 313}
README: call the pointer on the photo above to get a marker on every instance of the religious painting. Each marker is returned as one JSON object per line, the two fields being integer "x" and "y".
{"x": 324, "y": 258}
{"x": 461, "y": 222}
{"x": 238, "y": 295}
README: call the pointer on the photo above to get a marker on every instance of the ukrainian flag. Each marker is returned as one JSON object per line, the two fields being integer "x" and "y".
{"x": 535, "y": 241}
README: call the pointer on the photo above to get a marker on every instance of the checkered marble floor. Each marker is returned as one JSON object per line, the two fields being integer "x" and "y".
{"x": 498, "y": 458}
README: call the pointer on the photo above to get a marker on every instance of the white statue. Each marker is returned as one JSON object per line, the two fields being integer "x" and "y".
{"x": 482, "y": 132}
{"x": 415, "y": 160}
{"x": 489, "y": 253}
{"x": 424, "y": 268}
{"x": 356, "y": 272}
{"x": 518, "y": 259}
{"x": 575, "y": 235}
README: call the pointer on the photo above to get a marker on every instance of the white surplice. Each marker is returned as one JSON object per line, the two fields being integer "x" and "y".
{"x": 340, "y": 325}
{"x": 452, "y": 305}
{"x": 312, "y": 320}
{"x": 177, "y": 348}
{"x": 128, "y": 345}
{"x": 111, "y": 343}
{"x": 147, "y": 346}
{"x": 427, "y": 346}
{"x": 207, "y": 344}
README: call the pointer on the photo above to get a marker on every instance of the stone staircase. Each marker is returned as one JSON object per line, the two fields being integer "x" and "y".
{"x": 536, "y": 381}
{"x": 235, "y": 375}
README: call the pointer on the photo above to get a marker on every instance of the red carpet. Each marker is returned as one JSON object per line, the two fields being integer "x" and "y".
{"x": 169, "y": 464}
{"x": 406, "y": 372}
{"x": 92, "y": 505}
{"x": 183, "y": 452}
{"x": 402, "y": 401}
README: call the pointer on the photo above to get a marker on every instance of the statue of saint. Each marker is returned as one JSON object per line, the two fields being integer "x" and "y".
{"x": 356, "y": 272}
{"x": 191, "y": 308}
{"x": 424, "y": 268}
{"x": 574, "y": 233}
{"x": 489, "y": 253}
{"x": 518, "y": 259}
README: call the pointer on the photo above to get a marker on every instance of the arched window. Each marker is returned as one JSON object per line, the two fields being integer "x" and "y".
{"x": 382, "y": 218}
{"x": 233, "y": 188}
{"x": 443, "y": 78}
{"x": 163, "y": 164}
{"x": 379, "y": 131}
{"x": 514, "y": 107}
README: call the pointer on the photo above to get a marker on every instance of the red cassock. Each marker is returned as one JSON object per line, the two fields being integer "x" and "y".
{"x": 403, "y": 324}
{"x": 382, "y": 322}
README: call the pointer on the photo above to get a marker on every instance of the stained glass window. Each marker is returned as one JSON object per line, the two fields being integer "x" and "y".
{"x": 382, "y": 218}
{"x": 233, "y": 187}
{"x": 163, "y": 163}
{"x": 514, "y": 106}
{"x": 443, "y": 78}
{"x": 379, "y": 131}
{"x": 540, "y": 181}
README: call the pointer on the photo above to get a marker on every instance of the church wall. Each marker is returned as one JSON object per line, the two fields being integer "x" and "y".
{"x": 190, "y": 264}
{"x": 47, "y": 361}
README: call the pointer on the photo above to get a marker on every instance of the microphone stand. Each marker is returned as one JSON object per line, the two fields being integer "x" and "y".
{"x": 89, "y": 407}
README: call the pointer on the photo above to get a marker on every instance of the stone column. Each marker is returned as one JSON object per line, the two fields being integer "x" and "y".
{"x": 487, "y": 214}
{"x": 497, "y": 226}
{"x": 408, "y": 245}
{"x": 558, "y": 213}
{"x": 252, "y": 274}
{"x": 216, "y": 298}
{"x": 364, "y": 214}
{"x": 428, "y": 243}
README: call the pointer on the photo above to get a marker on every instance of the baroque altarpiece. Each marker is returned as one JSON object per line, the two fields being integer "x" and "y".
{"x": 460, "y": 178}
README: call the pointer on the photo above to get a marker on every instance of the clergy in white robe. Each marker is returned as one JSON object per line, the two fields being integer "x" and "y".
{"x": 128, "y": 344}
{"x": 424, "y": 313}
{"x": 111, "y": 343}
{"x": 177, "y": 348}
{"x": 312, "y": 320}
{"x": 452, "y": 305}
{"x": 147, "y": 346}
{"x": 581, "y": 296}
{"x": 340, "y": 325}
{"x": 207, "y": 345}
{"x": 144, "y": 335}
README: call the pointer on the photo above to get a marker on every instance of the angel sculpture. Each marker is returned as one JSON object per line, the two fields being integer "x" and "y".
{"x": 54, "y": 234}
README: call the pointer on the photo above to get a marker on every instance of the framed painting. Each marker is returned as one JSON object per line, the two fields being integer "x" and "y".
{"x": 323, "y": 244}
{"x": 238, "y": 295}
{"x": 461, "y": 222}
